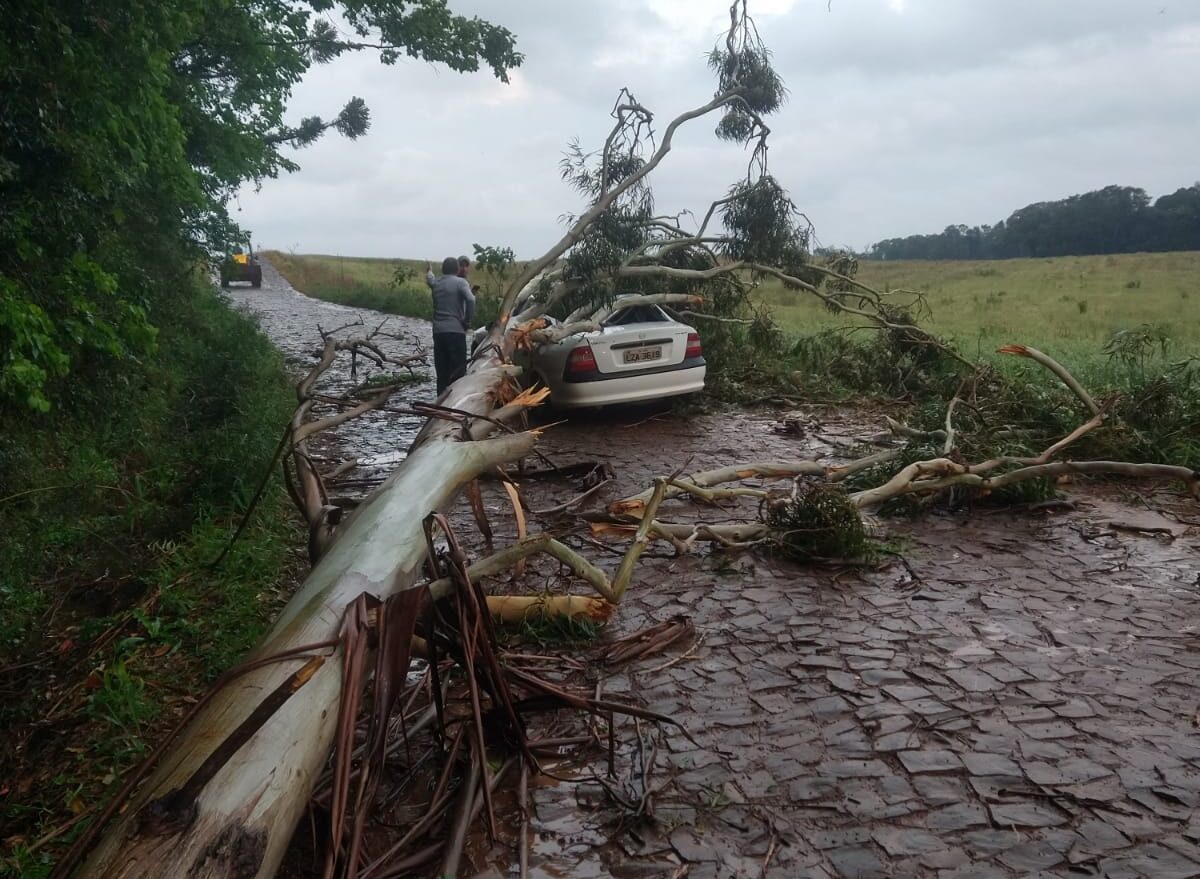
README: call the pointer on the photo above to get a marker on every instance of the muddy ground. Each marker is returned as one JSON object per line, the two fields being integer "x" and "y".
{"x": 1016, "y": 697}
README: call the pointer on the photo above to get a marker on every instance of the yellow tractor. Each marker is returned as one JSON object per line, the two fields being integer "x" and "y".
{"x": 240, "y": 264}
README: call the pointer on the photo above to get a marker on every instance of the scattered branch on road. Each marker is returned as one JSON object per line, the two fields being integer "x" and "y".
{"x": 820, "y": 516}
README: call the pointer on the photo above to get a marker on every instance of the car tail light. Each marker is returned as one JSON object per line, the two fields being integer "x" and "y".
{"x": 581, "y": 359}
{"x": 694, "y": 348}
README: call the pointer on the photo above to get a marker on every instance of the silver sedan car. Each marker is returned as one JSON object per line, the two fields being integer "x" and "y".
{"x": 640, "y": 353}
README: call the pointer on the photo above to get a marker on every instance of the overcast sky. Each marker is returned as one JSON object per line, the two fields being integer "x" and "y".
{"x": 904, "y": 116}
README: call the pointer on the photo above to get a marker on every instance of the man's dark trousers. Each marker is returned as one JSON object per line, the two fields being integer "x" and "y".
{"x": 449, "y": 358}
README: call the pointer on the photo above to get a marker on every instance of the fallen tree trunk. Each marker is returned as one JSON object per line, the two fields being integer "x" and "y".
{"x": 225, "y": 798}
{"x": 239, "y": 820}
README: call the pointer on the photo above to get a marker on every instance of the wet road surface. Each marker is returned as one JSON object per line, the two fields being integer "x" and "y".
{"x": 294, "y": 323}
{"x": 1019, "y": 699}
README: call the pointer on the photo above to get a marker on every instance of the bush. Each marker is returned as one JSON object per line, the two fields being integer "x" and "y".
{"x": 111, "y": 506}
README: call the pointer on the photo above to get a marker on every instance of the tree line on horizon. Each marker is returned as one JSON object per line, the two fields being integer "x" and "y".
{"x": 1115, "y": 219}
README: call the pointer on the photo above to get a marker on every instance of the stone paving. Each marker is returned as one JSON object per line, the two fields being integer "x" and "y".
{"x": 1020, "y": 700}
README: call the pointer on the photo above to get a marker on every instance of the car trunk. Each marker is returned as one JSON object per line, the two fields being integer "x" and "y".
{"x": 632, "y": 342}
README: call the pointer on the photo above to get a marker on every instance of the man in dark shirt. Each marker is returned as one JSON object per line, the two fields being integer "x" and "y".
{"x": 453, "y": 309}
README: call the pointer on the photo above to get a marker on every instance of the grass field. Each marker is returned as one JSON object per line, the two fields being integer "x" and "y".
{"x": 309, "y": 269}
{"x": 1067, "y": 305}
{"x": 1071, "y": 305}
{"x": 367, "y": 282}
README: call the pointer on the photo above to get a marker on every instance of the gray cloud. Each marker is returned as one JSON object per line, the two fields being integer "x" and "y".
{"x": 905, "y": 116}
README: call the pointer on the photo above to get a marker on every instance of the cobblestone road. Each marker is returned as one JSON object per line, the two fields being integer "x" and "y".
{"x": 1020, "y": 700}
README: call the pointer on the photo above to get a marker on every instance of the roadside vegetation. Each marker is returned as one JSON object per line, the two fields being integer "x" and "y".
{"x": 113, "y": 507}
{"x": 139, "y": 412}
{"x": 1112, "y": 321}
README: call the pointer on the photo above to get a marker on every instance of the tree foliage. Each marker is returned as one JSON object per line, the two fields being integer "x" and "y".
{"x": 1115, "y": 219}
{"x": 496, "y": 263}
{"x": 755, "y": 222}
{"x": 127, "y": 127}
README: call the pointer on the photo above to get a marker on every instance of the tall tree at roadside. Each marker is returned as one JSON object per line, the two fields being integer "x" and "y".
{"x": 128, "y": 125}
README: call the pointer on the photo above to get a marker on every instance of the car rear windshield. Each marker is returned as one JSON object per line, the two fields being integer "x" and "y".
{"x": 636, "y": 314}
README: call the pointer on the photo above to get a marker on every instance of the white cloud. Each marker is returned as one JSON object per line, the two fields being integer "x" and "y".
{"x": 951, "y": 112}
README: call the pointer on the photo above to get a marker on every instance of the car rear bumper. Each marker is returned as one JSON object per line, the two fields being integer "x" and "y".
{"x": 645, "y": 385}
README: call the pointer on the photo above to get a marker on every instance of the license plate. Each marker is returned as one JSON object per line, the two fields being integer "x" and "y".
{"x": 642, "y": 355}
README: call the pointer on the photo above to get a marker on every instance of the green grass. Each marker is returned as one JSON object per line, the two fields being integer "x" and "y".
{"x": 111, "y": 508}
{"x": 1067, "y": 306}
{"x": 553, "y": 631}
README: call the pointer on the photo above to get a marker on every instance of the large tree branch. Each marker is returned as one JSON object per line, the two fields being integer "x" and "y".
{"x": 574, "y": 326}
{"x": 791, "y": 281}
{"x": 605, "y": 201}
{"x": 1190, "y": 478}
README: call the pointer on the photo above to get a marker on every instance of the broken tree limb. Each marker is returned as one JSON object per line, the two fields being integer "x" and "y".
{"x": 844, "y": 471}
{"x": 640, "y": 538}
{"x": 577, "y": 323}
{"x": 712, "y": 495}
{"x": 636, "y": 505}
{"x": 1055, "y": 367}
{"x": 911, "y": 432}
{"x": 900, "y": 483}
{"x": 573, "y": 502}
{"x": 310, "y": 495}
{"x": 728, "y": 533}
{"x": 508, "y": 557}
{"x": 606, "y": 199}
{"x": 1044, "y": 457}
{"x": 646, "y": 299}
{"x": 1096, "y": 421}
{"x": 1190, "y": 478}
{"x": 877, "y": 316}
{"x": 511, "y": 411}
{"x": 514, "y": 498}
{"x": 519, "y": 608}
{"x": 948, "y": 447}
